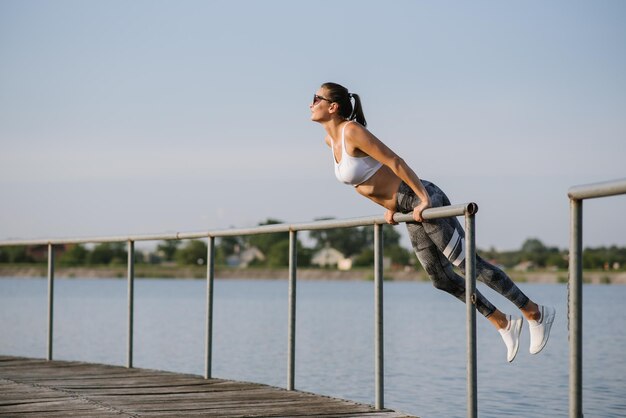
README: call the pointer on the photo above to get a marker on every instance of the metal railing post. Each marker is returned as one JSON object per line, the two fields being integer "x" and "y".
{"x": 210, "y": 277}
{"x": 131, "y": 298}
{"x": 470, "y": 302}
{"x": 575, "y": 310}
{"x": 576, "y": 195}
{"x": 378, "y": 316}
{"x": 50, "y": 299}
{"x": 291, "y": 345}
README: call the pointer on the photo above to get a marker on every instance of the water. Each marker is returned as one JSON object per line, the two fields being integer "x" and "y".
{"x": 425, "y": 345}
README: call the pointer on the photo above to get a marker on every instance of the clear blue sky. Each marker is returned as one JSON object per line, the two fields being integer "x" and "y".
{"x": 121, "y": 117}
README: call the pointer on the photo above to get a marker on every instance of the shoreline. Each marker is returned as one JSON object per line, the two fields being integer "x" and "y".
{"x": 199, "y": 272}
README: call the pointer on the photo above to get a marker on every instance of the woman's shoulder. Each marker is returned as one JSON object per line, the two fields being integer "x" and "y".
{"x": 354, "y": 128}
{"x": 354, "y": 131}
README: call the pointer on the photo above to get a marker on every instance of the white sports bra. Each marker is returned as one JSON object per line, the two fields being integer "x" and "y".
{"x": 353, "y": 170}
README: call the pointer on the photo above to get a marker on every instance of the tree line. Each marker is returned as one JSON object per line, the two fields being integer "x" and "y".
{"x": 354, "y": 243}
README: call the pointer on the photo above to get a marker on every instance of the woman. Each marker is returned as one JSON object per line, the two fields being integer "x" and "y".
{"x": 377, "y": 173}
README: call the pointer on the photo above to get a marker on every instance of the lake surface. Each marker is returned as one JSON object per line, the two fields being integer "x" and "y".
{"x": 425, "y": 345}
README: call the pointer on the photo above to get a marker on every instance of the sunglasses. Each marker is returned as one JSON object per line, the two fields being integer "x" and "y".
{"x": 317, "y": 99}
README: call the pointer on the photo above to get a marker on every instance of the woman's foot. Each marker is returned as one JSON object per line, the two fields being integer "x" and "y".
{"x": 510, "y": 334}
{"x": 540, "y": 328}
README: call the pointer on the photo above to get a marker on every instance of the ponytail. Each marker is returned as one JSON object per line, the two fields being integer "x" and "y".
{"x": 357, "y": 112}
{"x": 340, "y": 95}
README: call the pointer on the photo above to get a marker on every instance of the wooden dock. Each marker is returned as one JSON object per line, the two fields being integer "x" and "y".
{"x": 30, "y": 387}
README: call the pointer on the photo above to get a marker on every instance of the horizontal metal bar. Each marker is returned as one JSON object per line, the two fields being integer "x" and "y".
{"x": 87, "y": 240}
{"x": 432, "y": 213}
{"x": 590, "y": 191}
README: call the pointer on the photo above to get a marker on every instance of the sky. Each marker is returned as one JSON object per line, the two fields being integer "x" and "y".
{"x": 141, "y": 117}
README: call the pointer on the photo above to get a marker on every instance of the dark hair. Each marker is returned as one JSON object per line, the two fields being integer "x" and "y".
{"x": 340, "y": 95}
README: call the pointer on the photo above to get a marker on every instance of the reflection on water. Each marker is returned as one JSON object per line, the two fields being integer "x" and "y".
{"x": 425, "y": 346}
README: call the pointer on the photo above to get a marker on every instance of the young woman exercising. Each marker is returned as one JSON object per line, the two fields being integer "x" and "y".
{"x": 376, "y": 172}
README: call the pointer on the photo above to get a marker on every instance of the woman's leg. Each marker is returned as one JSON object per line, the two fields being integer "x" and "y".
{"x": 440, "y": 270}
{"x": 428, "y": 248}
{"x": 440, "y": 243}
{"x": 449, "y": 237}
{"x": 499, "y": 281}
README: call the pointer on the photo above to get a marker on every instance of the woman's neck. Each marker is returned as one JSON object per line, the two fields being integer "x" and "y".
{"x": 333, "y": 126}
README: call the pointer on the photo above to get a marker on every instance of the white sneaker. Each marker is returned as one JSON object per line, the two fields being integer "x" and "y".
{"x": 510, "y": 335}
{"x": 540, "y": 330}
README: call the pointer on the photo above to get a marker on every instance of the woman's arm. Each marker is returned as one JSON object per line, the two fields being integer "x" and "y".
{"x": 361, "y": 139}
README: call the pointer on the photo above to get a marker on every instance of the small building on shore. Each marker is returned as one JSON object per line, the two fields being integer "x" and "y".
{"x": 243, "y": 258}
{"x": 331, "y": 257}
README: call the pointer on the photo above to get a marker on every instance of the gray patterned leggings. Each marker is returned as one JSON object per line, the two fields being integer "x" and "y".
{"x": 440, "y": 243}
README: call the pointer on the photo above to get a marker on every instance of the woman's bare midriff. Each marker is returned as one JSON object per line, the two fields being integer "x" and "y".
{"x": 381, "y": 188}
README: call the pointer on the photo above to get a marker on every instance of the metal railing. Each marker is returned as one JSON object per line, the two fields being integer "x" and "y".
{"x": 467, "y": 210}
{"x": 576, "y": 195}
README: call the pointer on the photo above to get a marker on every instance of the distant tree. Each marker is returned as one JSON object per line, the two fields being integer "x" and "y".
{"x": 15, "y": 255}
{"x": 533, "y": 246}
{"x": 557, "y": 259}
{"x": 278, "y": 255}
{"x": 75, "y": 255}
{"x": 304, "y": 255}
{"x": 507, "y": 258}
{"x": 348, "y": 241}
{"x": 226, "y": 247}
{"x": 397, "y": 254}
{"x": 534, "y": 250}
{"x": 264, "y": 242}
{"x": 140, "y": 258}
{"x": 490, "y": 254}
{"x": 604, "y": 257}
{"x": 275, "y": 247}
{"x": 364, "y": 259}
{"x": 391, "y": 236}
{"x": 108, "y": 253}
{"x": 168, "y": 249}
{"x": 230, "y": 245}
{"x": 194, "y": 252}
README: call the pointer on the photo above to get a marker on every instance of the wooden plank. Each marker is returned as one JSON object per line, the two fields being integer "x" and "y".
{"x": 24, "y": 399}
{"x": 39, "y": 387}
